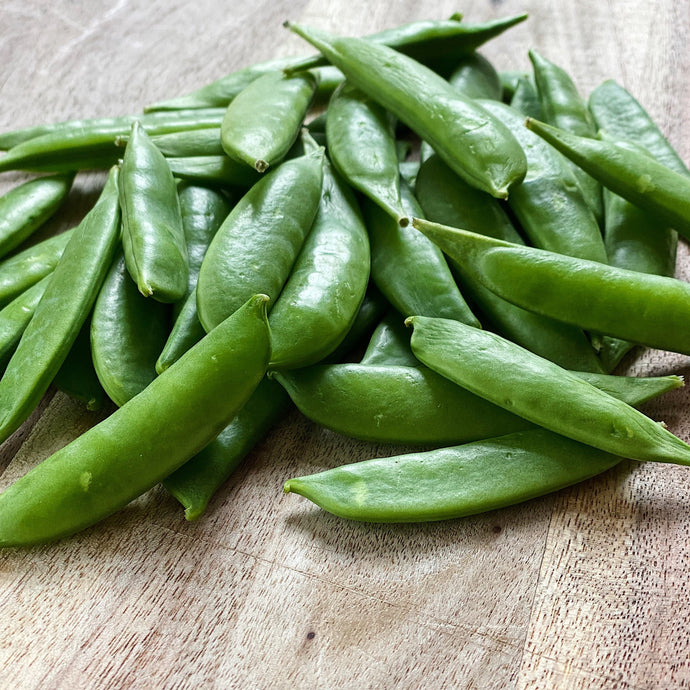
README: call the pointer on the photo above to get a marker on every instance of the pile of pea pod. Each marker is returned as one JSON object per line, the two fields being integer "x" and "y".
{"x": 371, "y": 234}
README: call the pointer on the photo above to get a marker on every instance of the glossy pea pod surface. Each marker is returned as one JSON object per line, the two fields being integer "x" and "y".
{"x": 62, "y": 310}
{"x": 26, "y": 207}
{"x": 390, "y": 344}
{"x": 128, "y": 332}
{"x": 322, "y": 296}
{"x": 392, "y": 403}
{"x": 186, "y": 143}
{"x": 361, "y": 145}
{"x": 215, "y": 171}
{"x": 127, "y": 454}
{"x": 447, "y": 199}
{"x": 152, "y": 233}
{"x": 263, "y": 121}
{"x": 541, "y": 392}
{"x": 256, "y": 246}
{"x": 476, "y": 77}
{"x": 478, "y": 147}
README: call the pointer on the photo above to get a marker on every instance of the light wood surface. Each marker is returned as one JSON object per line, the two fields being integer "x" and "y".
{"x": 586, "y": 588}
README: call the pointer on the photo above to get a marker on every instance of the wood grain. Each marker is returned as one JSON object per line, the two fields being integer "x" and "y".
{"x": 586, "y": 588}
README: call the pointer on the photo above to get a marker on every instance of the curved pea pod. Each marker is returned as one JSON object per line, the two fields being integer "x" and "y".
{"x": 453, "y": 482}
{"x": 26, "y": 268}
{"x": 15, "y": 317}
{"x": 215, "y": 171}
{"x": 390, "y": 344}
{"x": 478, "y": 147}
{"x": 322, "y": 296}
{"x": 476, "y": 77}
{"x": 549, "y": 203}
{"x": 195, "y": 483}
{"x": 644, "y": 309}
{"x": 256, "y": 246}
{"x": 263, "y": 121}
{"x": 627, "y": 172}
{"x": 26, "y": 207}
{"x": 447, "y": 199}
{"x": 190, "y": 142}
{"x": 126, "y": 454}
{"x": 525, "y": 98}
{"x": 186, "y": 331}
{"x": 62, "y": 311}
{"x": 152, "y": 233}
{"x": 361, "y": 144}
{"x": 77, "y": 376}
{"x": 390, "y": 403}
{"x": 411, "y": 272}
{"x": 562, "y": 106}
{"x": 128, "y": 332}
{"x": 542, "y": 392}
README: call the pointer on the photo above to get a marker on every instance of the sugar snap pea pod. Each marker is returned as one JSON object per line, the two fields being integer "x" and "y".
{"x": 65, "y": 150}
{"x": 154, "y": 123}
{"x": 62, "y": 310}
{"x": 413, "y": 275}
{"x": 562, "y": 106}
{"x": 190, "y": 142}
{"x": 509, "y": 82}
{"x": 128, "y": 332}
{"x": 263, "y": 121}
{"x": 152, "y": 233}
{"x": 447, "y": 199}
{"x": 408, "y": 172}
{"x": 549, "y": 203}
{"x": 361, "y": 144}
{"x": 627, "y": 172}
{"x": 26, "y": 268}
{"x": 126, "y": 454}
{"x": 525, "y": 98}
{"x": 453, "y": 482}
{"x": 478, "y": 147}
{"x": 390, "y": 344}
{"x": 195, "y": 483}
{"x": 256, "y": 246}
{"x": 476, "y": 77}
{"x": 218, "y": 171}
{"x": 25, "y": 208}
{"x": 77, "y": 376}
{"x": 540, "y": 391}
{"x": 389, "y": 403}
{"x": 645, "y": 309}
{"x": 15, "y": 317}
{"x": 322, "y": 296}
{"x": 186, "y": 331}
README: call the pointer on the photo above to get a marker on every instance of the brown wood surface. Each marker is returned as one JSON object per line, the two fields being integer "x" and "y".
{"x": 586, "y": 588}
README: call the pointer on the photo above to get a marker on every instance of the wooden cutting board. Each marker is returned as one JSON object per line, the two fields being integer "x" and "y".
{"x": 586, "y": 588}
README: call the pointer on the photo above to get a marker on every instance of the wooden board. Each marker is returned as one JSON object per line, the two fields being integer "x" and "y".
{"x": 586, "y": 588}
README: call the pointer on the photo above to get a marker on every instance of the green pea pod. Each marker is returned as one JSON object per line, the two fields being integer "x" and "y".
{"x": 644, "y": 309}
{"x": 215, "y": 171}
{"x": 361, "y": 144}
{"x": 112, "y": 127}
{"x": 128, "y": 332}
{"x": 263, "y": 121}
{"x": 447, "y": 199}
{"x": 25, "y": 208}
{"x": 77, "y": 376}
{"x": 126, "y": 454}
{"x": 411, "y": 272}
{"x": 408, "y": 172}
{"x": 525, "y": 99}
{"x": 62, "y": 311}
{"x": 541, "y": 392}
{"x": 322, "y": 296}
{"x": 15, "y": 317}
{"x": 476, "y": 77}
{"x": 509, "y": 82}
{"x": 562, "y": 106}
{"x": 66, "y": 150}
{"x": 549, "y": 203}
{"x": 627, "y": 172}
{"x": 195, "y": 483}
{"x": 152, "y": 233}
{"x": 453, "y": 482}
{"x": 478, "y": 147}
{"x": 256, "y": 246}
{"x": 192, "y": 142}
{"x": 414, "y": 405}
{"x": 186, "y": 332}
{"x": 26, "y": 268}
{"x": 390, "y": 344}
